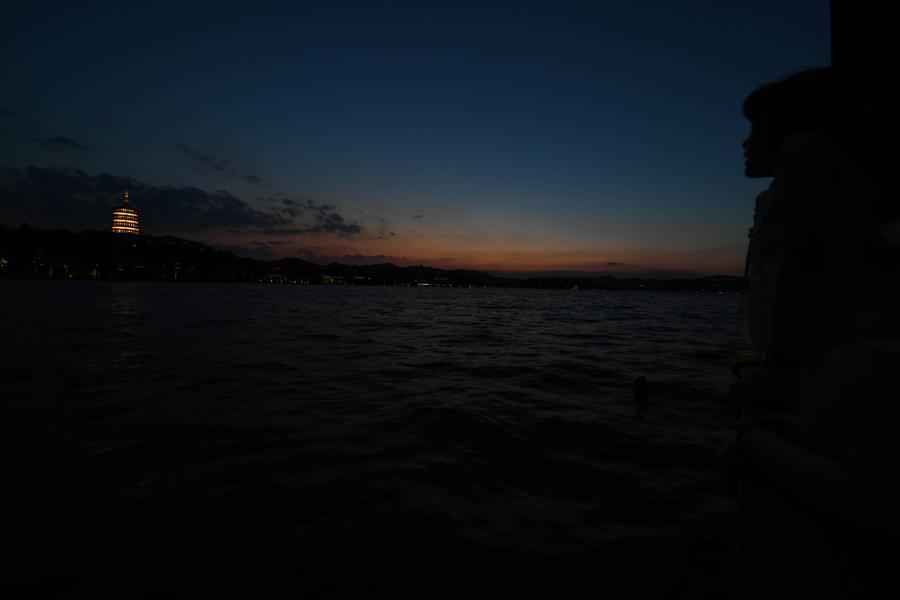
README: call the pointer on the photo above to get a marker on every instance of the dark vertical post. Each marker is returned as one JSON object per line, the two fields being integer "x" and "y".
{"x": 863, "y": 52}
{"x": 861, "y": 34}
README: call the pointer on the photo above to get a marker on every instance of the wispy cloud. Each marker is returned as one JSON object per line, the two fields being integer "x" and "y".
{"x": 204, "y": 161}
{"x": 58, "y": 142}
{"x": 319, "y": 255}
{"x": 357, "y": 258}
{"x": 71, "y": 198}
{"x": 330, "y": 222}
{"x": 310, "y": 217}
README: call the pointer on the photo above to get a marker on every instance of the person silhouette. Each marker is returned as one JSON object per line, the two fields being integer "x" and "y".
{"x": 797, "y": 124}
{"x": 818, "y": 455}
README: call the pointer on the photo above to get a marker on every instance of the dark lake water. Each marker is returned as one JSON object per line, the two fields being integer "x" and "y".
{"x": 326, "y": 441}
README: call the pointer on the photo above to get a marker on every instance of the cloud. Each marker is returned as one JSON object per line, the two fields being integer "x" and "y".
{"x": 318, "y": 218}
{"x": 335, "y": 223}
{"x": 58, "y": 142}
{"x": 73, "y": 199}
{"x": 320, "y": 208}
{"x": 208, "y": 162}
{"x": 250, "y": 251}
{"x": 355, "y": 258}
{"x": 203, "y": 159}
{"x": 315, "y": 254}
{"x": 417, "y": 217}
{"x": 324, "y": 223}
{"x": 9, "y": 113}
{"x": 68, "y": 198}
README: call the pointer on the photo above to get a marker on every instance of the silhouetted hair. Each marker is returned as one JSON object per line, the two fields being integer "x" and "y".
{"x": 810, "y": 100}
{"x": 846, "y": 110}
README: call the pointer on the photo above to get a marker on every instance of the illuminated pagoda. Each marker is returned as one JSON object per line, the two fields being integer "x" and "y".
{"x": 125, "y": 218}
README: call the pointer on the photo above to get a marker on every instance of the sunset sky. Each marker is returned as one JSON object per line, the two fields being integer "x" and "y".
{"x": 523, "y": 136}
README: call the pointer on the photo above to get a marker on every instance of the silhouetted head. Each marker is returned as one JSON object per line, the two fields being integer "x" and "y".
{"x": 810, "y": 100}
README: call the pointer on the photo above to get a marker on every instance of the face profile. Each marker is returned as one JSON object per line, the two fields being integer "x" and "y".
{"x": 808, "y": 100}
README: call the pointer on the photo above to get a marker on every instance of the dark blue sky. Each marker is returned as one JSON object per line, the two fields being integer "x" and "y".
{"x": 492, "y": 135}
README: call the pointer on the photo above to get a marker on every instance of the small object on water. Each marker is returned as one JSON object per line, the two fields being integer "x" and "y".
{"x": 745, "y": 363}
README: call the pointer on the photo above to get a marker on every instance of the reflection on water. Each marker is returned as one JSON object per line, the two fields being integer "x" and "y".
{"x": 124, "y": 303}
{"x": 207, "y": 437}
{"x": 125, "y": 312}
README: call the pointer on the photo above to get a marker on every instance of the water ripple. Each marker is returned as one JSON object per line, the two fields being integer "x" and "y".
{"x": 260, "y": 427}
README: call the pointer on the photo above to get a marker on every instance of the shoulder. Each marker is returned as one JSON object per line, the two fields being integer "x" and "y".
{"x": 856, "y": 386}
{"x": 857, "y": 392}
{"x": 864, "y": 360}
{"x": 812, "y": 161}
{"x": 868, "y": 366}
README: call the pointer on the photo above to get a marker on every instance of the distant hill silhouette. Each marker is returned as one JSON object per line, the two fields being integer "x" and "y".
{"x": 29, "y": 252}
{"x": 650, "y": 274}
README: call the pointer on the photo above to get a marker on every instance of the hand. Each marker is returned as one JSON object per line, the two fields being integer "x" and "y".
{"x": 729, "y": 464}
{"x": 745, "y": 361}
{"x": 784, "y": 425}
{"x": 746, "y": 394}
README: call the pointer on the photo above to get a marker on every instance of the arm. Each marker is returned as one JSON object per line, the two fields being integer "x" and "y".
{"x": 809, "y": 479}
{"x": 861, "y": 487}
{"x": 808, "y": 192}
{"x": 825, "y": 206}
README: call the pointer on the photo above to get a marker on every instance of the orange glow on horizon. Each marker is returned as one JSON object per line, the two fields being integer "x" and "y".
{"x": 724, "y": 261}
{"x": 510, "y": 254}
